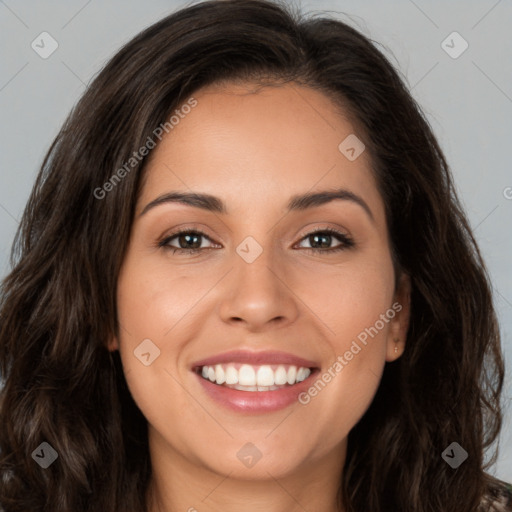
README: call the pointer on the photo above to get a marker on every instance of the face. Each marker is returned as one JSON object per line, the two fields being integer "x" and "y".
{"x": 276, "y": 283}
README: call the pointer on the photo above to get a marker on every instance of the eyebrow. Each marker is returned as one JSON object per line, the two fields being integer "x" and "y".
{"x": 297, "y": 203}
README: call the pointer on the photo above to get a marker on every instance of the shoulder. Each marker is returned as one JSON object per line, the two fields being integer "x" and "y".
{"x": 498, "y": 498}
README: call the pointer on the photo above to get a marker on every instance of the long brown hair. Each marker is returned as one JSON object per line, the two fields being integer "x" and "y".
{"x": 58, "y": 307}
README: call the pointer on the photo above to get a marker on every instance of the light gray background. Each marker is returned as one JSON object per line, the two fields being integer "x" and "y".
{"x": 467, "y": 100}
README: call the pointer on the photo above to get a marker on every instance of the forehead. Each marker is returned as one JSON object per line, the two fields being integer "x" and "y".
{"x": 240, "y": 142}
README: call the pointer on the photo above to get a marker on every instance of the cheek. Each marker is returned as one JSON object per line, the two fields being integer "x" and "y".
{"x": 353, "y": 303}
{"x": 166, "y": 306}
{"x": 152, "y": 299}
{"x": 342, "y": 392}
{"x": 348, "y": 299}
{"x": 151, "y": 308}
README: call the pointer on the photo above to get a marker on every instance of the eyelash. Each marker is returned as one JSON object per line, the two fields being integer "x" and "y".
{"x": 346, "y": 241}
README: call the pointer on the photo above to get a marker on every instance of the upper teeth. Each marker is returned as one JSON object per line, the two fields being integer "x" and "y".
{"x": 248, "y": 375}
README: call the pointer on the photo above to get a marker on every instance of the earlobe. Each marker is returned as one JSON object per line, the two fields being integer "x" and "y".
{"x": 395, "y": 349}
{"x": 399, "y": 325}
{"x": 113, "y": 345}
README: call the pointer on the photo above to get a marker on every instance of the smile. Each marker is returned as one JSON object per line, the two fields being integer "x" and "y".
{"x": 254, "y": 382}
{"x": 252, "y": 378}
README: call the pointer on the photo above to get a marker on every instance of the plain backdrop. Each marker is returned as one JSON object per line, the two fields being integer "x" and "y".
{"x": 467, "y": 100}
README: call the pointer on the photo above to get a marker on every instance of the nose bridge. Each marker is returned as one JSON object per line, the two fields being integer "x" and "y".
{"x": 257, "y": 267}
{"x": 257, "y": 293}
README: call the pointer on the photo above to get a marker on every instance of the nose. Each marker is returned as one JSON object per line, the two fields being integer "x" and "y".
{"x": 257, "y": 295}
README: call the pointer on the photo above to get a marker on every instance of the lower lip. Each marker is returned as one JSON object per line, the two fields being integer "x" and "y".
{"x": 255, "y": 401}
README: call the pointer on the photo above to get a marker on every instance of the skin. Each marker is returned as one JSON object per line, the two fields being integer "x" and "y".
{"x": 255, "y": 149}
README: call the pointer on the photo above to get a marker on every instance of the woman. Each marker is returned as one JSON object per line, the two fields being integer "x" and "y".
{"x": 244, "y": 279}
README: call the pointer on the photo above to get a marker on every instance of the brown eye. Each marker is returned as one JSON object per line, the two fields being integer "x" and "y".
{"x": 321, "y": 241}
{"x": 189, "y": 241}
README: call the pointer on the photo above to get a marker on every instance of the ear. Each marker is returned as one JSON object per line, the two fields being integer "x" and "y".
{"x": 399, "y": 324}
{"x": 112, "y": 344}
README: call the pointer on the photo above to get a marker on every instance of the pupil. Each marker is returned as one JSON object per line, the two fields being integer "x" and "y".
{"x": 187, "y": 239}
{"x": 316, "y": 237}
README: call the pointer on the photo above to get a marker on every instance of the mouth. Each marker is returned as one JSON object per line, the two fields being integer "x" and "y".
{"x": 254, "y": 382}
{"x": 254, "y": 378}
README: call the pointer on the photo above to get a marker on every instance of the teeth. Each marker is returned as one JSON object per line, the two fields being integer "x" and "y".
{"x": 301, "y": 374}
{"x": 280, "y": 377}
{"x": 254, "y": 378}
{"x": 231, "y": 375}
{"x": 265, "y": 376}
{"x": 220, "y": 376}
{"x": 246, "y": 376}
{"x": 292, "y": 374}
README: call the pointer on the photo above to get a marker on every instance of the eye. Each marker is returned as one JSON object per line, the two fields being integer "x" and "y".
{"x": 186, "y": 237}
{"x": 324, "y": 237}
{"x": 189, "y": 241}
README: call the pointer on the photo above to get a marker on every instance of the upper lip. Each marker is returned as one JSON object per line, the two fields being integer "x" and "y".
{"x": 256, "y": 358}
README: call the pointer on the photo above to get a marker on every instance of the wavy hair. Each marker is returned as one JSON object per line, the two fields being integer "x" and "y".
{"x": 58, "y": 308}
